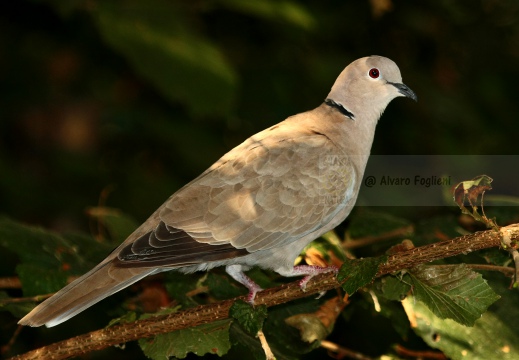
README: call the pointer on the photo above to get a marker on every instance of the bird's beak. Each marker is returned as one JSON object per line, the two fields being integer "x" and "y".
{"x": 405, "y": 91}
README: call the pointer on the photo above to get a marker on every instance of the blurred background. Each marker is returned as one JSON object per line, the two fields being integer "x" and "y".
{"x": 120, "y": 103}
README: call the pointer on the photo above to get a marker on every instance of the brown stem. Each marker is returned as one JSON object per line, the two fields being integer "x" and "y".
{"x": 10, "y": 283}
{"x": 122, "y": 333}
{"x": 426, "y": 355}
{"x": 342, "y": 352}
{"x": 368, "y": 240}
{"x": 36, "y": 298}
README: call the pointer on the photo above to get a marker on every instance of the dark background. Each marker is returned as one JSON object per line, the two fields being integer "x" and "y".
{"x": 79, "y": 117}
{"x": 121, "y": 103}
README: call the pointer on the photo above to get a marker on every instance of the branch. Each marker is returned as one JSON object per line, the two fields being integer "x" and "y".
{"x": 10, "y": 283}
{"x": 122, "y": 333}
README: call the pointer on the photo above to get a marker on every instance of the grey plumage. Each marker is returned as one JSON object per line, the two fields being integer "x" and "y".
{"x": 260, "y": 204}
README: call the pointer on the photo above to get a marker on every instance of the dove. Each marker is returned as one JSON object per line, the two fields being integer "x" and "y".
{"x": 260, "y": 204}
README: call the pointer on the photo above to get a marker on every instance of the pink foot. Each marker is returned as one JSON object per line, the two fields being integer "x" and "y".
{"x": 309, "y": 271}
{"x": 237, "y": 274}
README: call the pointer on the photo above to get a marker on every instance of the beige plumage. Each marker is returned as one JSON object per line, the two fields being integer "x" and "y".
{"x": 260, "y": 204}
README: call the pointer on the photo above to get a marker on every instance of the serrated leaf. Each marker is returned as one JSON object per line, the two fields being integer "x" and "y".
{"x": 164, "y": 48}
{"x": 357, "y": 273}
{"x": 212, "y": 338}
{"x": 249, "y": 317}
{"x": 452, "y": 292}
{"x": 489, "y": 338}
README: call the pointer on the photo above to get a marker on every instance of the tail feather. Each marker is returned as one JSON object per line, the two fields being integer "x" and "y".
{"x": 99, "y": 283}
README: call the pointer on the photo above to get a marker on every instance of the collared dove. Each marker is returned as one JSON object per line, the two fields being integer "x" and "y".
{"x": 260, "y": 204}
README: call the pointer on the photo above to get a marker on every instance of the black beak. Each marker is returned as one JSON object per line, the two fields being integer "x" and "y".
{"x": 404, "y": 90}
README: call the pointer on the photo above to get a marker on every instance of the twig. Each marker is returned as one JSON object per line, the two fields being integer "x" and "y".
{"x": 511, "y": 246}
{"x": 433, "y": 355}
{"x": 36, "y": 298}
{"x": 368, "y": 240}
{"x": 5, "y": 348}
{"x": 122, "y": 333}
{"x": 12, "y": 282}
{"x": 198, "y": 290}
{"x": 265, "y": 345}
{"x": 342, "y": 352}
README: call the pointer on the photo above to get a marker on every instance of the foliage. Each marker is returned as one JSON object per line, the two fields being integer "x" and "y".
{"x": 115, "y": 105}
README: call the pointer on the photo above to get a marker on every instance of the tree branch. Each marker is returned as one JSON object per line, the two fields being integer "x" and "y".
{"x": 122, "y": 333}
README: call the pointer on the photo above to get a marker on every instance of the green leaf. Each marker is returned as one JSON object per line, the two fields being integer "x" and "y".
{"x": 393, "y": 311}
{"x": 489, "y": 338}
{"x": 178, "y": 285}
{"x": 18, "y": 309}
{"x": 392, "y": 288}
{"x": 210, "y": 338}
{"x": 453, "y": 292}
{"x": 286, "y": 11}
{"x": 164, "y": 311}
{"x": 357, "y": 273}
{"x": 283, "y": 338}
{"x": 310, "y": 327}
{"x": 37, "y": 280}
{"x": 164, "y": 48}
{"x": 129, "y": 317}
{"x": 222, "y": 287}
{"x": 372, "y": 223}
{"x": 118, "y": 225}
{"x": 250, "y": 317}
{"x": 33, "y": 245}
{"x": 246, "y": 346}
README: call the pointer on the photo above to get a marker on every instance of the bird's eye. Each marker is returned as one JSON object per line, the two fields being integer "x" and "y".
{"x": 374, "y": 73}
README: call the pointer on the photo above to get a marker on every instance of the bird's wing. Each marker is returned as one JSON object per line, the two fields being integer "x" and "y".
{"x": 273, "y": 189}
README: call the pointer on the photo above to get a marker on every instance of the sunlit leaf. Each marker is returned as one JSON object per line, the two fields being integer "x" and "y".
{"x": 489, "y": 338}
{"x": 453, "y": 292}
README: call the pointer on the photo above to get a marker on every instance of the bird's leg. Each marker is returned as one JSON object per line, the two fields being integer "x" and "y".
{"x": 309, "y": 271}
{"x": 236, "y": 272}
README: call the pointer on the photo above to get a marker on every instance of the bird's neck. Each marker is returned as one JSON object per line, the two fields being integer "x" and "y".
{"x": 346, "y": 125}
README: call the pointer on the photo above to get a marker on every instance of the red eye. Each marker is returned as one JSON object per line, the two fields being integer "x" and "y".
{"x": 374, "y": 73}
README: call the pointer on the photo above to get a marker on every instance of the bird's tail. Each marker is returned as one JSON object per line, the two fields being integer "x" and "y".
{"x": 99, "y": 283}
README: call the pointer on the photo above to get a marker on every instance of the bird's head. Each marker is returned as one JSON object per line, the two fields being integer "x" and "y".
{"x": 367, "y": 85}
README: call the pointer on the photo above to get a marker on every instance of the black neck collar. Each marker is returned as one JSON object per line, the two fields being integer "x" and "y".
{"x": 340, "y": 108}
